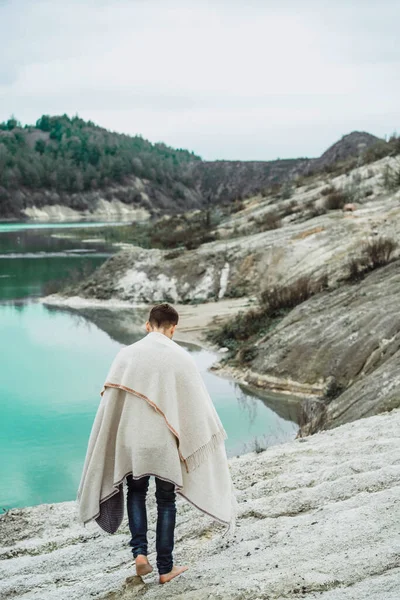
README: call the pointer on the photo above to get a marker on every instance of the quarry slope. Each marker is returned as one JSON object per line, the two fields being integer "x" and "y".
{"x": 318, "y": 518}
{"x": 245, "y": 258}
{"x": 346, "y": 339}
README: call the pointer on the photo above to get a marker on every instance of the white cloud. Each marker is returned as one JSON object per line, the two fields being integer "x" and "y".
{"x": 225, "y": 78}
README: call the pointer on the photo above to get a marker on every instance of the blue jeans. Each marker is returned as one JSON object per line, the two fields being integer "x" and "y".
{"x": 166, "y": 515}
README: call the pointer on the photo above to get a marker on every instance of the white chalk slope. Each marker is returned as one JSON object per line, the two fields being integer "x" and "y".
{"x": 318, "y": 518}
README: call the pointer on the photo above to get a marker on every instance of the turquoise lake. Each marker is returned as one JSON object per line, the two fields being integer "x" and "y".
{"x": 53, "y": 361}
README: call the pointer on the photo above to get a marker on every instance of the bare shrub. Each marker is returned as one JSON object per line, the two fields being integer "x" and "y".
{"x": 188, "y": 232}
{"x": 380, "y": 149}
{"x": 375, "y": 253}
{"x": 237, "y": 291}
{"x": 288, "y": 296}
{"x": 290, "y": 208}
{"x": 391, "y": 178}
{"x": 355, "y": 269}
{"x": 237, "y": 205}
{"x": 238, "y": 329}
{"x": 328, "y": 190}
{"x": 247, "y": 354}
{"x": 240, "y": 333}
{"x": 269, "y": 220}
{"x": 336, "y": 200}
{"x": 378, "y": 252}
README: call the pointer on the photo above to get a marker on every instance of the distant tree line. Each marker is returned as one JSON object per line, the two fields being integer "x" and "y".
{"x": 72, "y": 155}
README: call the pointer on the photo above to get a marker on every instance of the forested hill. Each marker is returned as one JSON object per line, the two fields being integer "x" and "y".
{"x": 74, "y": 163}
{"x": 71, "y": 155}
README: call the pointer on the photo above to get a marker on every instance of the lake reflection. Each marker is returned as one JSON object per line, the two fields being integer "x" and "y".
{"x": 54, "y": 365}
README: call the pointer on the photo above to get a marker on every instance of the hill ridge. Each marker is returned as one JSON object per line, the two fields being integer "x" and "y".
{"x": 75, "y": 163}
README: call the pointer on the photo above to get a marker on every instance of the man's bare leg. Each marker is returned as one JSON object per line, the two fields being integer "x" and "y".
{"x": 175, "y": 571}
{"x": 143, "y": 567}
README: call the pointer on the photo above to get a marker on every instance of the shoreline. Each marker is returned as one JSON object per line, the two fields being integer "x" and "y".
{"x": 194, "y": 320}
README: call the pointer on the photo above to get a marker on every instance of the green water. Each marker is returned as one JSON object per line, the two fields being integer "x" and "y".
{"x": 52, "y": 366}
{"x": 52, "y": 363}
{"x": 23, "y": 277}
{"x": 33, "y": 255}
{"x": 22, "y": 226}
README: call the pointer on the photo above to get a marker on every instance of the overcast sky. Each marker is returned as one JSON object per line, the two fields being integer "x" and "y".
{"x": 251, "y": 79}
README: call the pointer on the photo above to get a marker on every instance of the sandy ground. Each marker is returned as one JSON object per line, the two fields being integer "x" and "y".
{"x": 196, "y": 319}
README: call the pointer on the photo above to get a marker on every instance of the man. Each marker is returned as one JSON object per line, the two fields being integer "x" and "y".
{"x": 162, "y": 319}
{"x": 155, "y": 418}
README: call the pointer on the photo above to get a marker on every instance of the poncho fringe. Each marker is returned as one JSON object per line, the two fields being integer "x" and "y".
{"x": 198, "y": 456}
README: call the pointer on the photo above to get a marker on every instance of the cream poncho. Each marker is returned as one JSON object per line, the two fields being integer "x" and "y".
{"x": 155, "y": 417}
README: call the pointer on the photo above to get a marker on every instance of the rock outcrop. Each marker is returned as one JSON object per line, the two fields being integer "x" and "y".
{"x": 351, "y": 145}
{"x": 343, "y": 343}
{"x": 318, "y": 518}
{"x": 245, "y": 259}
{"x": 102, "y": 210}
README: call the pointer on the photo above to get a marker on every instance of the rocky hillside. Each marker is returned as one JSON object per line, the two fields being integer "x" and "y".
{"x": 269, "y": 241}
{"x": 340, "y": 346}
{"x": 68, "y": 168}
{"x": 352, "y": 145}
{"x": 318, "y": 518}
{"x": 227, "y": 180}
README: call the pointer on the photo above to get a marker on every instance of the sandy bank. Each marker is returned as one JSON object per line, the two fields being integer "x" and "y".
{"x": 194, "y": 319}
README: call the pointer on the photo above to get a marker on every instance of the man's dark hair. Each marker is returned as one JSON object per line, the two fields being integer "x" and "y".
{"x": 163, "y": 315}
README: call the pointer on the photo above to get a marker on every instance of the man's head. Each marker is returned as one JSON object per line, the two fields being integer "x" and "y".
{"x": 163, "y": 318}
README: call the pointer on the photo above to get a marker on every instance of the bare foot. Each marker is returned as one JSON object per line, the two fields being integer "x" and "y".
{"x": 175, "y": 571}
{"x": 143, "y": 567}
